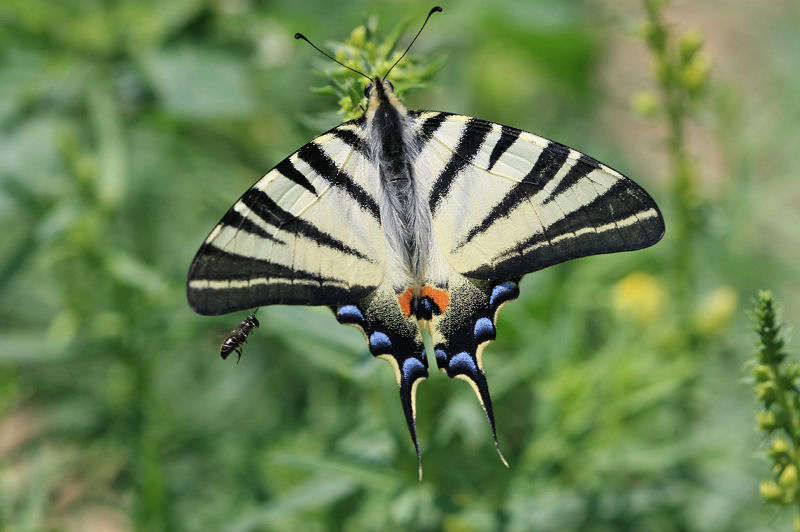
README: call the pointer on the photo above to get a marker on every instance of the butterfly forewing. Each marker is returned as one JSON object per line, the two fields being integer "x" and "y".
{"x": 506, "y": 202}
{"x": 307, "y": 233}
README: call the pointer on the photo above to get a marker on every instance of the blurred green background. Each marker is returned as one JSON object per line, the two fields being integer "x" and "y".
{"x": 128, "y": 128}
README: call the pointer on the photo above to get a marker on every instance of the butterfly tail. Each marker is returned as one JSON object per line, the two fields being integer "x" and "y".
{"x": 462, "y": 334}
{"x": 412, "y": 373}
{"x": 395, "y": 338}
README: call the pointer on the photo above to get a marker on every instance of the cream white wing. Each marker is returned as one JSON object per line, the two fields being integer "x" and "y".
{"x": 506, "y": 202}
{"x": 307, "y": 233}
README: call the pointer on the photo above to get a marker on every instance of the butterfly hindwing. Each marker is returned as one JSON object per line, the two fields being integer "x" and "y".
{"x": 396, "y": 338}
{"x": 506, "y": 202}
{"x": 307, "y": 233}
{"x": 465, "y": 328}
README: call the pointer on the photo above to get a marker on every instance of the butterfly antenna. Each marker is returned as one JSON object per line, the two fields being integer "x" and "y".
{"x": 317, "y": 48}
{"x": 435, "y": 9}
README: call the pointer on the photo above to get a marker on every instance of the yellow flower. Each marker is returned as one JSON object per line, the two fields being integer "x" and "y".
{"x": 639, "y": 297}
{"x": 715, "y": 310}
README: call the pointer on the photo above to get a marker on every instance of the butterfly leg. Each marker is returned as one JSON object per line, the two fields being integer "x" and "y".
{"x": 461, "y": 334}
{"x": 396, "y": 339}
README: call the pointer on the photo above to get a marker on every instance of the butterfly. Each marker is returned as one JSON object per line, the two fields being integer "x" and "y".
{"x": 405, "y": 220}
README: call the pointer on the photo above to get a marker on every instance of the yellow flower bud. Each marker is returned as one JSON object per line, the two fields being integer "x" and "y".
{"x": 779, "y": 449}
{"x": 693, "y": 76}
{"x": 788, "y": 478}
{"x": 770, "y": 491}
{"x": 690, "y": 43}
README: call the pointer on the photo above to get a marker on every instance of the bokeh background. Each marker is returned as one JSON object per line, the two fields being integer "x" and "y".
{"x": 619, "y": 382}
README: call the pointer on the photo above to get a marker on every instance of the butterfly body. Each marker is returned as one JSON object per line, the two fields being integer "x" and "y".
{"x": 406, "y": 220}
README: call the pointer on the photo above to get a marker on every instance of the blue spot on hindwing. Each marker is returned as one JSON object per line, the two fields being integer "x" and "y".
{"x": 463, "y": 363}
{"x": 503, "y": 292}
{"x": 484, "y": 330}
{"x": 379, "y": 343}
{"x": 412, "y": 368}
{"x": 441, "y": 357}
{"x": 349, "y": 314}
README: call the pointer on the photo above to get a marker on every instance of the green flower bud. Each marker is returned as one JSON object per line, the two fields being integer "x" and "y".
{"x": 693, "y": 75}
{"x": 646, "y": 104}
{"x": 766, "y": 420}
{"x": 779, "y": 450}
{"x": 689, "y": 45}
{"x": 770, "y": 491}
{"x": 766, "y": 393}
{"x": 761, "y": 373}
{"x": 788, "y": 478}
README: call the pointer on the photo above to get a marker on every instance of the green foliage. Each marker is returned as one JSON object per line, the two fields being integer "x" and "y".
{"x": 366, "y": 52}
{"x": 127, "y": 129}
{"x": 681, "y": 72}
{"x": 777, "y": 390}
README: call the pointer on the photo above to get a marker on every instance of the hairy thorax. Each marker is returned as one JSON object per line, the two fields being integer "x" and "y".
{"x": 404, "y": 213}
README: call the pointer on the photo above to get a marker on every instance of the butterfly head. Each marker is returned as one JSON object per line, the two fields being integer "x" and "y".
{"x": 380, "y": 94}
{"x": 377, "y": 84}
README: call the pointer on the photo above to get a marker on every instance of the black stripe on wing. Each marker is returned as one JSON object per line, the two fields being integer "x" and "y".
{"x": 582, "y": 168}
{"x": 313, "y": 155}
{"x": 508, "y": 136}
{"x": 430, "y": 126}
{"x": 217, "y": 265}
{"x": 351, "y": 139}
{"x": 468, "y": 146}
{"x": 234, "y": 219}
{"x": 287, "y": 170}
{"x": 259, "y": 282}
{"x": 589, "y": 230}
{"x": 547, "y": 165}
{"x": 265, "y": 207}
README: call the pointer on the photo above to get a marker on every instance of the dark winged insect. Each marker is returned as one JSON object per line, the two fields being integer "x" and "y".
{"x": 238, "y": 337}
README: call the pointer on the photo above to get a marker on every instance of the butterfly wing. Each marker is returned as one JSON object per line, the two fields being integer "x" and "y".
{"x": 396, "y": 338}
{"x": 307, "y": 233}
{"x": 504, "y": 203}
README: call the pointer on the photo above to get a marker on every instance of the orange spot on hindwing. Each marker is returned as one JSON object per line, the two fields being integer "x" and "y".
{"x": 430, "y": 302}
{"x": 440, "y": 297}
{"x": 405, "y": 301}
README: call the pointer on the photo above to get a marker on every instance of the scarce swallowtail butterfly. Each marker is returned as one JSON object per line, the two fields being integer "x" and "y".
{"x": 404, "y": 220}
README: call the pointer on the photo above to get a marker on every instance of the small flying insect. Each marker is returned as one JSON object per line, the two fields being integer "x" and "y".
{"x": 239, "y": 336}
